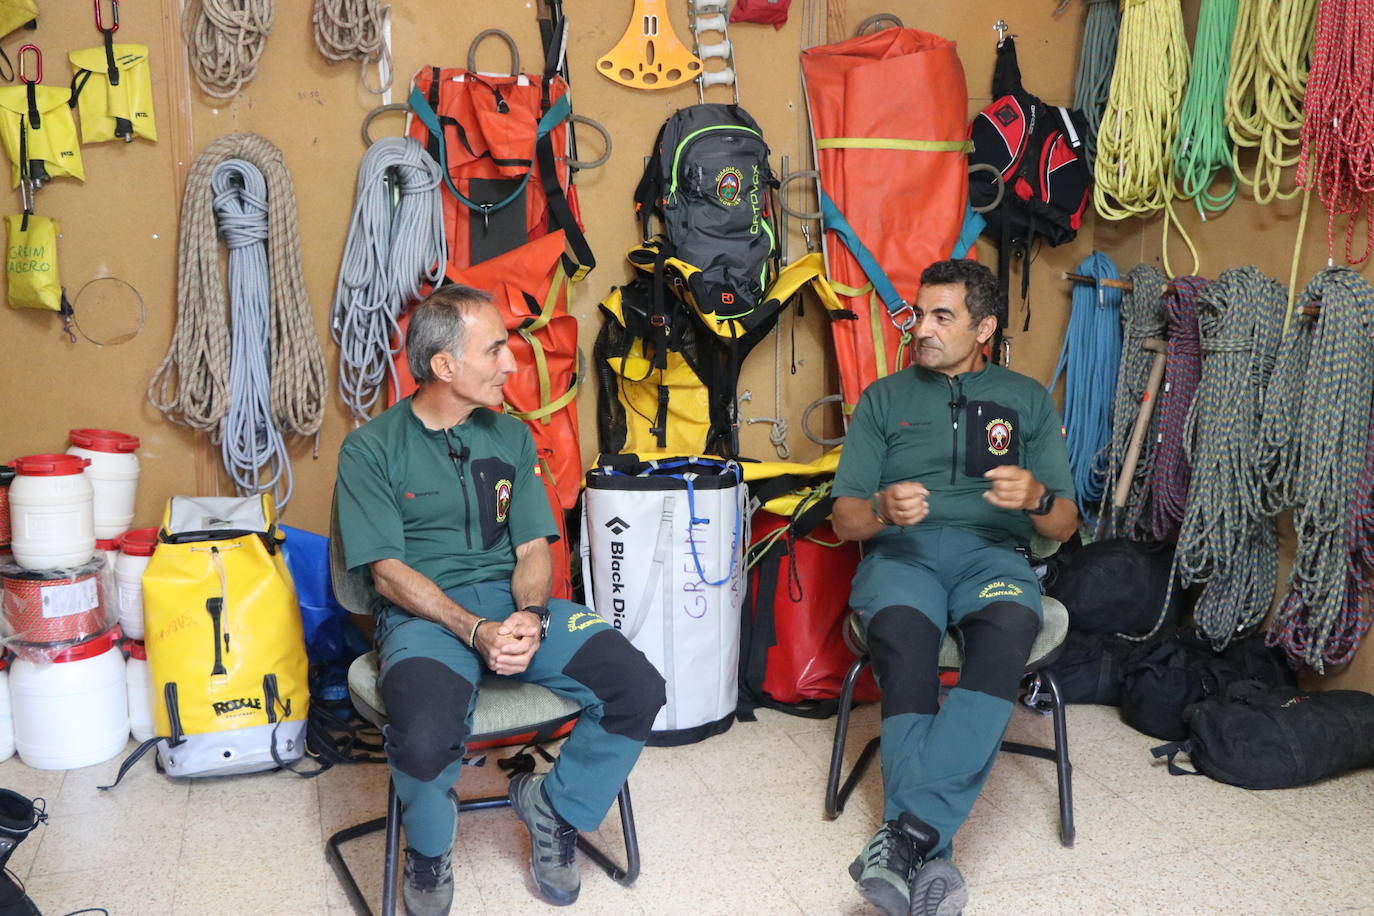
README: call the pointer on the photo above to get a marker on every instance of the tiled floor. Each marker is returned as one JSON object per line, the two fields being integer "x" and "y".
{"x": 731, "y": 826}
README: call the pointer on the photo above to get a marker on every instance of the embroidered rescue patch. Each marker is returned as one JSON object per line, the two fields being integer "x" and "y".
{"x": 1000, "y": 589}
{"x": 999, "y": 436}
{"x": 502, "y": 500}
{"x": 582, "y": 619}
{"x": 729, "y": 181}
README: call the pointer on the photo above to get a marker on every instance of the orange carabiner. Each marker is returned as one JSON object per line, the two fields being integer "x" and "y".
{"x": 100, "y": 18}
{"x": 38, "y": 64}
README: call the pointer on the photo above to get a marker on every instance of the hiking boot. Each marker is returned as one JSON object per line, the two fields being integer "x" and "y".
{"x": 939, "y": 890}
{"x": 553, "y": 841}
{"x": 428, "y": 888}
{"x": 884, "y": 871}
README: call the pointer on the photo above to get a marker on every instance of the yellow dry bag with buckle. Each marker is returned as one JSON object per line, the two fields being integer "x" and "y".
{"x": 31, "y": 262}
{"x": 39, "y": 133}
{"x": 225, "y": 643}
{"x": 113, "y": 92}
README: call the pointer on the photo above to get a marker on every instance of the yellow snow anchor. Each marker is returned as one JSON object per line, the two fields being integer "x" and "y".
{"x": 37, "y": 128}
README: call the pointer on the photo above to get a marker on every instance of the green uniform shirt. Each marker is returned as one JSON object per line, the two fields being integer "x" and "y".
{"x": 450, "y": 503}
{"x": 946, "y": 433}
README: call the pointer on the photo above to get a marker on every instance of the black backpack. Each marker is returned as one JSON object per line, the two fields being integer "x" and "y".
{"x": 1040, "y": 154}
{"x": 709, "y": 182}
{"x": 1089, "y": 583}
{"x": 1258, "y": 736}
{"x": 1089, "y": 667}
{"x": 1159, "y": 684}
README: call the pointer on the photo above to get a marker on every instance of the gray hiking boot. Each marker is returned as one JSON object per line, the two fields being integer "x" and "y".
{"x": 883, "y": 871}
{"x": 939, "y": 890}
{"x": 428, "y": 887}
{"x": 553, "y": 841}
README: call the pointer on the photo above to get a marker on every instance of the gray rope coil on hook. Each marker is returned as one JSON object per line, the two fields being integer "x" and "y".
{"x": 392, "y": 248}
{"x": 224, "y": 40}
{"x": 1324, "y": 381}
{"x": 354, "y": 30}
{"x": 1096, "y": 62}
{"x": 191, "y": 385}
{"x": 1226, "y": 540}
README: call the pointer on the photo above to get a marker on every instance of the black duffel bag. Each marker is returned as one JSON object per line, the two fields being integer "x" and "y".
{"x": 1258, "y": 736}
{"x": 1115, "y": 586}
{"x": 1162, "y": 681}
{"x": 1089, "y": 667}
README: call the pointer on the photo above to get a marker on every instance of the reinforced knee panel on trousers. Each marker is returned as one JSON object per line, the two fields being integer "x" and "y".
{"x": 662, "y": 560}
{"x": 905, "y": 647}
{"x": 629, "y": 687}
{"x": 427, "y": 705}
{"x": 997, "y": 640}
{"x": 225, "y": 643}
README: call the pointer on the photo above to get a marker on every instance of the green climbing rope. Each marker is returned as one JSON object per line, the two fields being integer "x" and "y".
{"x": 1203, "y": 146}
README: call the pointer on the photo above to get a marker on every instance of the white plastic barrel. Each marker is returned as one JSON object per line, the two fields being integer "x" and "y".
{"x": 74, "y": 711}
{"x": 113, "y": 473}
{"x": 6, "y": 713}
{"x": 135, "y": 550}
{"x": 52, "y": 523}
{"x": 109, "y": 548}
{"x": 139, "y": 678}
{"x": 6, "y": 478}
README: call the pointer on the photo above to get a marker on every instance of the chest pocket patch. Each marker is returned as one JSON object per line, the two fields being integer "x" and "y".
{"x": 993, "y": 437}
{"x": 494, "y": 482}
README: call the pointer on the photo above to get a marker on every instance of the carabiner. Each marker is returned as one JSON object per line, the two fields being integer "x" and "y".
{"x": 908, "y": 323}
{"x": 38, "y": 64}
{"x": 100, "y": 19}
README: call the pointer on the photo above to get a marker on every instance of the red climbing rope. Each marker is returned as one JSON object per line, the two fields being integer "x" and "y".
{"x": 1171, "y": 470}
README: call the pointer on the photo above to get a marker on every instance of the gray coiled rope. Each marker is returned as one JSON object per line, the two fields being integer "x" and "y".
{"x": 225, "y": 39}
{"x": 354, "y": 30}
{"x": 1227, "y": 540}
{"x": 191, "y": 385}
{"x": 1096, "y": 61}
{"x": 395, "y": 243}
{"x": 250, "y": 445}
{"x": 1142, "y": 317}
{"x": 1324, "y": 381}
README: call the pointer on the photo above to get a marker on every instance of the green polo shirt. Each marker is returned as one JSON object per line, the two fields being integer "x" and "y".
{"x": 450, "y": 503}
{"x": 946, "y": 432}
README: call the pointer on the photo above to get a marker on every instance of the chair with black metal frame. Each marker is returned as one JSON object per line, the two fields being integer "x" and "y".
{"x": 1039, "y": 692}
{"x": 507, "y": 713}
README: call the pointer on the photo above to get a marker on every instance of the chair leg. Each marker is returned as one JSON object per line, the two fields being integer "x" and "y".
{"x": 1061, "y": 751}
{"x": 333, "y": 853}
{"x": 835, "y": 796}
{"x": 630, "y": 872}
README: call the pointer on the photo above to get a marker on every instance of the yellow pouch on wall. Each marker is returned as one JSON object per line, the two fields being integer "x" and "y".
{"x": 226, "y": 647}
{"x": 113, "y": 110}
{"x": 31, "y": 262}
{"x": 16, "y": 13}
{"x": 50, "y": 145}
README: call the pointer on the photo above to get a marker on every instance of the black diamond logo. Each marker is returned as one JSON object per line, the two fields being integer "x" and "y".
{"x": 618, "y": 525}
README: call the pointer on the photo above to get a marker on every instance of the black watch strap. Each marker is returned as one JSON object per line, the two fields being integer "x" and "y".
{"x": 542, "y": 613}
{"x": 1045, "y": 505}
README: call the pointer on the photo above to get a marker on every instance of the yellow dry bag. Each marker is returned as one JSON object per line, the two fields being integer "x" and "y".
{"x": 37, "y": 127}
{"x": 113, "y": 92}
{"x": 225, "y": 643}
{"x": 15, "y": 14}
{"x": 31, "y": 262}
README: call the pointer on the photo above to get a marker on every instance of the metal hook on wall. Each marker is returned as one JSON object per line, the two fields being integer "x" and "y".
{"x": 1001, "y": 28}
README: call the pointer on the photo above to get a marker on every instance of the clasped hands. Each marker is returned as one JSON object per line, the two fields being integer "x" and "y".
{"x": 906, "y": 503}
{"x": 508, "y": 645}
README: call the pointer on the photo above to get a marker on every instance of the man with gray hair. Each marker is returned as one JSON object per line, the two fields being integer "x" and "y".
{"x": 439, "y": 502}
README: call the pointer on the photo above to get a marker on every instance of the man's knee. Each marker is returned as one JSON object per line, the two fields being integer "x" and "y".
{"x": 427, "y": 708}
{"x": 630, "y": 689}
{"x": 997, "y": 642}
{"x": 905, "y": 648}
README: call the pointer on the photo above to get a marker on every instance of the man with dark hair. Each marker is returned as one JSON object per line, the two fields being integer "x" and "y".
{"x": 440, "y": 504}
{"x": 949, "y": 467}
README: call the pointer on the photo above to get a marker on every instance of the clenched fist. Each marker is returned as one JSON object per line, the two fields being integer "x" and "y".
{"x": 1013, "y": 488}
{"x": 904, "y": 503}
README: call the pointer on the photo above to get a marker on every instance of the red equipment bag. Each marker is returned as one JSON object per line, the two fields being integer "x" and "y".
{"x": 793, "y": 656}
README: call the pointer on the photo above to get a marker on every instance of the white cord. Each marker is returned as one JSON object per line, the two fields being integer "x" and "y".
{"x": 355, "y": 30}
{"x": 395, "y": 243}
{"x": 225, "y": 39}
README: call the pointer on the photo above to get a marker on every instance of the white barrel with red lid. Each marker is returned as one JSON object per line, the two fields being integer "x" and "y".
{"x": 55, "y": 607}
{"x": 140, "y": 683}
{"x": 135, "y": 550}
{"x": 109, "y": 549}
{"x": 74, "y": 710}
{"x": 52, "y": 524}
{"x": 113, "y": 473}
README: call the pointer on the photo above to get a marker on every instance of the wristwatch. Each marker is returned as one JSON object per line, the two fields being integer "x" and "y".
{"x": 1045, "y": 505}
{"x": 542, "y": 613}
{"x": 877, "y": 513}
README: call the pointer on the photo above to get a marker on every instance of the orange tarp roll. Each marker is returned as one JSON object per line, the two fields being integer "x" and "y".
{"x": 870, "y": 97}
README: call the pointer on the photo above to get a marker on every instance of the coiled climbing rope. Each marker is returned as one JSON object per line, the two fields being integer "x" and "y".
{"x": 1338, "y": 132}
{"x": 192, "y": 384}
{"x": 1088, "y": 363}
{"x": 395, "y": 243}
{"x": 1264, "y": 92}
{"x": 1203, "y": 146}
{"x": 1142, "y": 318}
{"x": 251, "y": 446}
{"x": 1133, "y": 175}
{"x": 1331, "y": 380}
{"x": 1227, "y": 541}
{"x": 355, "y": 30}
{"x": 1170, "y": 470}
{"x": 1096, "y": 60}
{"x": 225, "y": 39}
